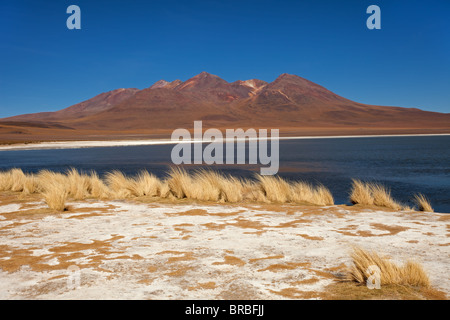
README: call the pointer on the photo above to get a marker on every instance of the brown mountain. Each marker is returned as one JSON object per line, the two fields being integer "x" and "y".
{"x": 103, "y": 101}
{"x": 291, "y": 103}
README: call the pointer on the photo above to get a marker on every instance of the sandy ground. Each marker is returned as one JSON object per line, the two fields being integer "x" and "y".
{"x": 143, "y": 142}
{"x": 131, "y": 250}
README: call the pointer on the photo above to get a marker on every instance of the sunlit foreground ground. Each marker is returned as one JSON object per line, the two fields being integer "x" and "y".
{"x": 140, "y": 249}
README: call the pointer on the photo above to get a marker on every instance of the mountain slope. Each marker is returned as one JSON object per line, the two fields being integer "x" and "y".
{"x": 289, "y": 102}
{"x": 101, "y": 102}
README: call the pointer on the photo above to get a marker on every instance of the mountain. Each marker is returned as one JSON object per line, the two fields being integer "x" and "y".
{"x": 291, "y": 103}
{"x": 103, "y": 101}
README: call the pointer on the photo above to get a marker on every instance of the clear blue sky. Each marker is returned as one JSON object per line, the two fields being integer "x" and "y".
{"x": 123, "y": 44}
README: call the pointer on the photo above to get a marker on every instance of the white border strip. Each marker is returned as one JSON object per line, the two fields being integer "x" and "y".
{"x": 126, "y": 143}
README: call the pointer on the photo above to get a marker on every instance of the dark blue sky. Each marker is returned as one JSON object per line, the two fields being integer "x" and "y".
{"x": 122, "y": 44}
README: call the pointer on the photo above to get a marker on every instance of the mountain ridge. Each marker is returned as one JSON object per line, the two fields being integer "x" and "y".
{"x": 289, "y": 101}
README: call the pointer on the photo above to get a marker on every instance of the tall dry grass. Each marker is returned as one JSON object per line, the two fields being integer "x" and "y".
{"x": 361, "y": 193}
{"x": 232, "y": 188}
{"x": 252, "y": 192}
{"x": 121, "y": 187}
{"x": 77, "y": 184}
{"x": 55, "y": 196}
{"x": 5, "y": 181}
{"x": 30, "y": 184}
{"x": 275, "y": 189}
{"x": 303, "y": 192}
{"x": 411, "y": 273}
{"x": 146, "y": 184}
{"x": 165, "y": 192}
{"x": 210, "y": 185}
{"x": 382, "y": 197}
{"x": 370, "y": 193}
{"x": 46, "y": 178}
{"x": 17, "y": 181}
{"x": 179, "y": 183}
{"x": 203, "y": 185}
{"x": 322, "y": 196}
{"x": 278, "y": 190}
{"x": 422, "y": 203}
{"x": 97, "y": 187}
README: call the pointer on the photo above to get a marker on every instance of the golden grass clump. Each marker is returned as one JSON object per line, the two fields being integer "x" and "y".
{"x": 232, "y": 189}
{"x": 212, "y": 186}
{"x": 369, "y": 193}
{"x": 205, "y": 186}
{"x": 411, "y": 273}
{"x": 55, "y": 196}
{"x": 121, "y": 186}
{"x": 322, "y": 196}
{"x": 303, "y": 192}
{"x": 276, "y": 189}
{"x": 382, "y": 197}
{"x": 18, "y": 180}
{"x": 97, "y": 188}
{"x": 422, "y": 203}
{"x": 30, "y": 184}
{"x": 202, "y": 185}
{"x": 46, "y": 178}
{"x": 12, "y": 180}
{"x": 361, "y": 193}
{"x": 5, "y": 181}
{"x": 146, "y": 184}
{"x": 165, "y": 190}
{"x": 180, "y": 183}
{"x": 78, "y": 184}
{"x": 252, "y": 192}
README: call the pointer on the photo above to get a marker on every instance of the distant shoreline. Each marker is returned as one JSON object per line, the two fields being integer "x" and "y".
{"x": 125, "y": 143}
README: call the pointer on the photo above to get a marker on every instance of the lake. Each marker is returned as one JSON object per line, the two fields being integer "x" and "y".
{"x": 405, "y": 164}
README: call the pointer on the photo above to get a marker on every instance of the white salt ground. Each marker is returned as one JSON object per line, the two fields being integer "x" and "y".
{"x": 130, "y": 250}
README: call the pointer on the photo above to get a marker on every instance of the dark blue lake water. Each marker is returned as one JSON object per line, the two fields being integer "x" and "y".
{"x": 406, "y": 165}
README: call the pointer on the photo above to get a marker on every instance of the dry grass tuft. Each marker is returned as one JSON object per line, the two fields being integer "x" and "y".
{"x": 202, "y": 185}
{"x": 361, "y": 193}
{"x": 423, "y": 203}
{"x": 382, "y": 197}
{"x": 303, "y": 192}
{"x": 30, "y": 184}
{"x": 252, "y": 192}
{"x": 97, "y": 188}
{"x": 121, "y": 187}
{"x": 232, "y": 189}
{"x": 353, "y": 291}
{"x": 275, "y": 189}
{"x": 205, "y": 186}
{"x": 369, "y": 193}
{"x": 322, "y": 196}
{"x": 46, "y": 178}
{"x": 5, "y": 181}
{"x": 146, "y": 184}
{"x": 54, "y": 188}
{"x": 165, "y": 190}
{"x": 209, "y": 185}
{"x": 18, "y": 180}
{"x": 78, "y": 184}
{"x": 55, "y": 196}
{"x": 180, "y": 183}
{"x": 411, "y": 273}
